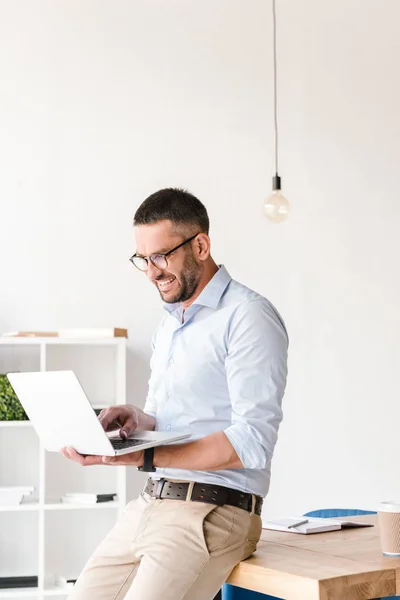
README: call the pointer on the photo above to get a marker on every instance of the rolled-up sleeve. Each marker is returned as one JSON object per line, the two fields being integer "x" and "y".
{"x": 256, "y": 368}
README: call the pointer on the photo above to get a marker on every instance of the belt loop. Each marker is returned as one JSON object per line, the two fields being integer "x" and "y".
{"x": 159, "y": 488}
{"x": 253, "y": 504}
{"x": 190, "y": 491}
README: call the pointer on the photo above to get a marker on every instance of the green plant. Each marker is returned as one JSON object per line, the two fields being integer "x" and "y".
{"x": 10, "y": 407}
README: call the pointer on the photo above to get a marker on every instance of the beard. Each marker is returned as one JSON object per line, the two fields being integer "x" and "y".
{"x": 188, "y": 281}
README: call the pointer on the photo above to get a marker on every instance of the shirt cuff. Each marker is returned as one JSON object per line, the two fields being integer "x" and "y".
{"x": 250, "y": 451}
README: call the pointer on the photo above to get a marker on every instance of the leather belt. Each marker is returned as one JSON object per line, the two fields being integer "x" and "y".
{"x": 164, "y": 489}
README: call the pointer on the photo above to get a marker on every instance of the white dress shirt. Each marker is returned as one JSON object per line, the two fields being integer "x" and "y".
{"x": 223, "y": 369}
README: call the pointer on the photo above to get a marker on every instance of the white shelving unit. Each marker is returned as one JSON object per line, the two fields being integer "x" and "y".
{"x": 44, "y": 537}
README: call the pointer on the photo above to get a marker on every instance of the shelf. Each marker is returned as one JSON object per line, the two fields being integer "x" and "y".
{"x": 19, "y": 507}
{"x": 15, "y": 424}
{"x": 54, "y": 341}
{"x": 29, "y": 592}
{"x": 49, "y": 532}
{"x": 57, "y": 591}
{"x": 97, "y": 506}
{"x": 28, "y": 424}
{"x": 18, "y": 592}
{"x": 58, "y": 506}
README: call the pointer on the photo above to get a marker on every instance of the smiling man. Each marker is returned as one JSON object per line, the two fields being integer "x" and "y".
{"x": 218, "y": 371}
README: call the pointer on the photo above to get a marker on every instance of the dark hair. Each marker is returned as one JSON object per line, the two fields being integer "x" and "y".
{"x": 177, "y": 205}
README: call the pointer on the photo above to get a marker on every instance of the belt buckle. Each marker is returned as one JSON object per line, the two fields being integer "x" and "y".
{"x": 159, "y": 488}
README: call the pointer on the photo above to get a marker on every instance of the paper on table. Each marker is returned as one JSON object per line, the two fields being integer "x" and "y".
{"x": 314, "y": 525}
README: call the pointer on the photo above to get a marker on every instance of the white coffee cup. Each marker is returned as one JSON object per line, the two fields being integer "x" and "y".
{"x": 389, "y": 527}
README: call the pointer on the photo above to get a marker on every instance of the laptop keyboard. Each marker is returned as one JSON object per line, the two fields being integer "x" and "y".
{"x": 119, "y": 444}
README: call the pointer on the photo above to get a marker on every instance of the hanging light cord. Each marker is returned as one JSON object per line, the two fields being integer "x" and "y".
{"x": 275, "y": 87}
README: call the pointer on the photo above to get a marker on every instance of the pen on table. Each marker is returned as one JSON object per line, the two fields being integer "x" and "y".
{"x": 303, "y": 522}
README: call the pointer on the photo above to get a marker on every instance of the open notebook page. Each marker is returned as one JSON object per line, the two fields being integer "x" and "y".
{"x": 314, "y": 525}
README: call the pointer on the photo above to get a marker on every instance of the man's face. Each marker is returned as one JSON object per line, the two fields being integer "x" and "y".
{"x": 179, "y": 281}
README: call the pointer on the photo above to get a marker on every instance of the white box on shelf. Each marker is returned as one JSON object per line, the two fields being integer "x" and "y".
{"x": 14, "y": 494}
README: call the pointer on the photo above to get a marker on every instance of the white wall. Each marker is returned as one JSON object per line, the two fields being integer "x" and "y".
{"x": 102, "y": 103}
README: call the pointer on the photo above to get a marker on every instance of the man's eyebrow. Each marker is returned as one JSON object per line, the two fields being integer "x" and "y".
{"x": 162, "y": 251}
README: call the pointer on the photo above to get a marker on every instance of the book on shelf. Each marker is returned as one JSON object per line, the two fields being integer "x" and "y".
{"x": 30, "y": 334}
{"x": 22, "y": 581}
{"x": 109, "y": 332}
{"x": 87, "y": 498}
{"x": 307, "y": 525}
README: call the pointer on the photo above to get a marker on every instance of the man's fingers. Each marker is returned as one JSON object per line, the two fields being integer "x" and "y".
{"x": 106, "y": 418}
{"x": 85, "y": 461}
{"x": 118, "y": 417}
{"x": 128, "y": 427}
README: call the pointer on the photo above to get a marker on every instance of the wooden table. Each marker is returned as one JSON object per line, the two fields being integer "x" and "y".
{"x": 337, "y": 565}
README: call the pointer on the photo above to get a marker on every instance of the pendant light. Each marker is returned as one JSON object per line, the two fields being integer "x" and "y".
{"x": 276, "y": 207}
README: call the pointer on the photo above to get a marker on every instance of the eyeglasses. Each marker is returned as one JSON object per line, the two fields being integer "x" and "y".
{"x": 158, "y": 260}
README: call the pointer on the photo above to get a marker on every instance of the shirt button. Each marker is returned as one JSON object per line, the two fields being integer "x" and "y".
{"x": 168, "y": 427}
{"x": 169, "y": 394}
{"x": 171, "y": 360}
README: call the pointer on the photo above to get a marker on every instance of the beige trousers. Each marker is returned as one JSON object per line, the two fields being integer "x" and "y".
{"x": 168, "y": 550}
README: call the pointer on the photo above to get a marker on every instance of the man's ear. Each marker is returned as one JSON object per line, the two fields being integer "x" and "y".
{"x": 202, "y": 246}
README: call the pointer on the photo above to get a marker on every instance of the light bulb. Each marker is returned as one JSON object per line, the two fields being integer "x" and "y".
{"x": 276, "y": 207}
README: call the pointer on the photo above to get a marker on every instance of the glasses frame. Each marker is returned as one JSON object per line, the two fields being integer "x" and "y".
{"x": 163, "y": 254}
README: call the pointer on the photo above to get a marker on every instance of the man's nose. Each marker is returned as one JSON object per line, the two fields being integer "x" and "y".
{"x": 152, "y": 271}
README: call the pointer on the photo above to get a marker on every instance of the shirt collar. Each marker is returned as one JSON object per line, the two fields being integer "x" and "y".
{"x": 212, "y": 293}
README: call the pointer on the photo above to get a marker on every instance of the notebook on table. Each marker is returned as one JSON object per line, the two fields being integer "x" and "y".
{"x": 313, "y": 525}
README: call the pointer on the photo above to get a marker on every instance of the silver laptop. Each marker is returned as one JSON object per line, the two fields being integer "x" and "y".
{"x": 62, "y": 415}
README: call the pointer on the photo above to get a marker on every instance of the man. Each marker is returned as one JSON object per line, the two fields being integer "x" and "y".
{"x": 218, "y": 371}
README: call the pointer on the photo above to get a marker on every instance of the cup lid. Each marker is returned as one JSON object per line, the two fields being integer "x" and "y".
{"x": 392, "y": 506}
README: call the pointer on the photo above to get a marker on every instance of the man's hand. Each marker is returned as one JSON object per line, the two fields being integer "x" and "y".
{"x": 123, "y": 417}
{"x": 133, "y": 459}
{"x": 127, "y": 419}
